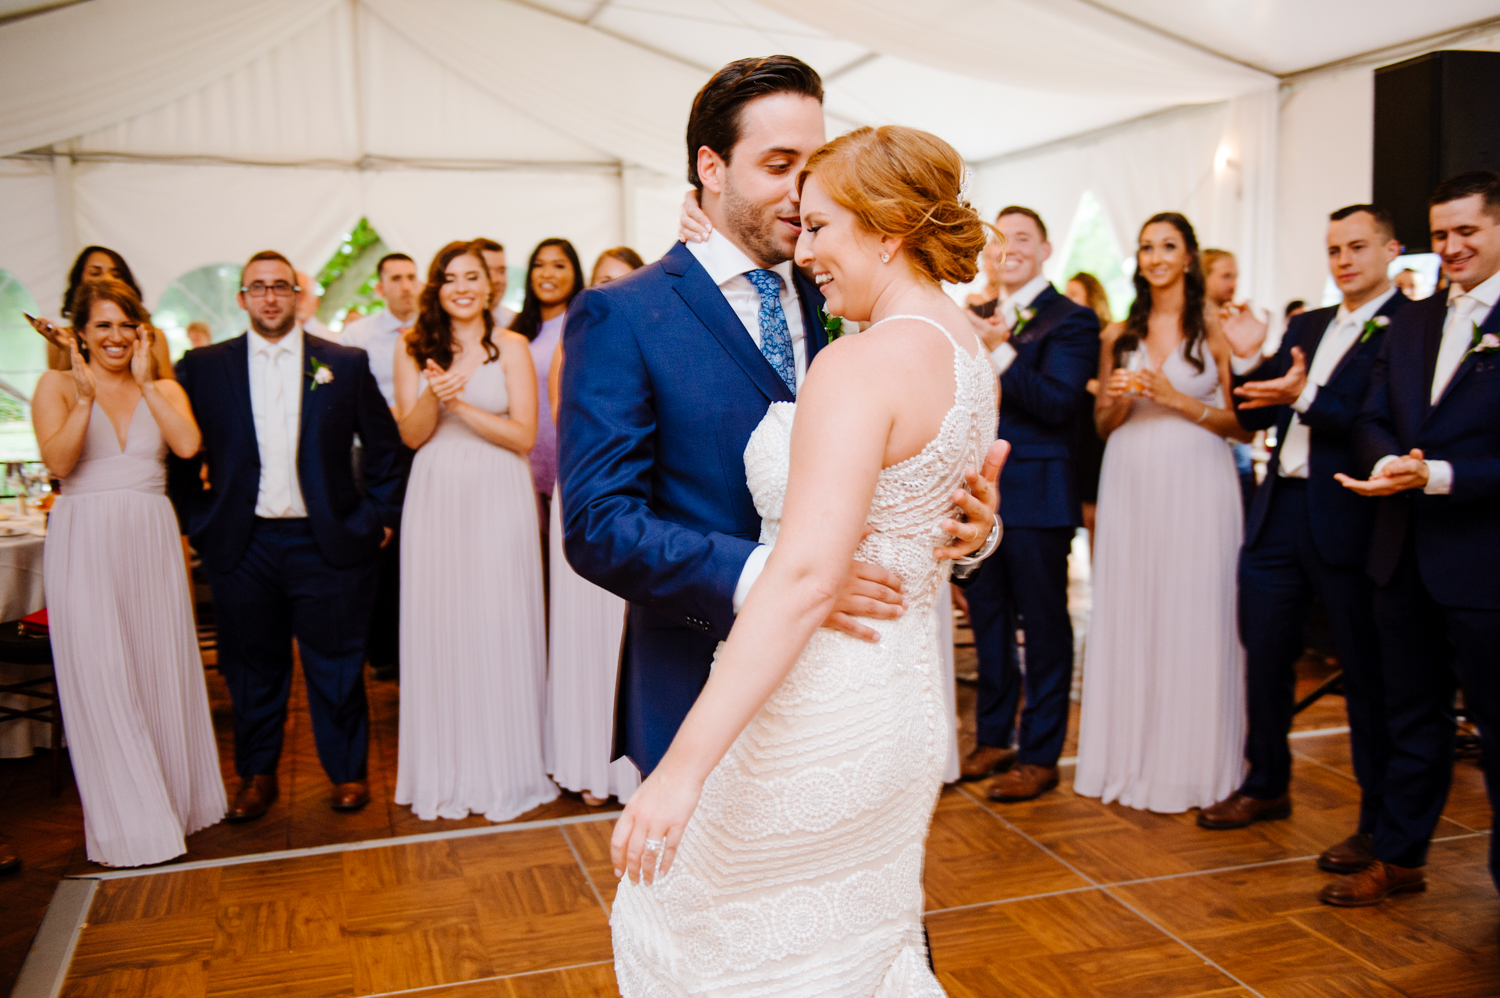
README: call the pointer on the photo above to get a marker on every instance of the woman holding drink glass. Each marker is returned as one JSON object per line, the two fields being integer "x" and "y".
{"x": 1163, "y": 688}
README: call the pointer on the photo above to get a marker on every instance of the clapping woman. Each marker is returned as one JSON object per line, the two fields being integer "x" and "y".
{"x": 126, "y": 650}
{"x": 473, "y": 645}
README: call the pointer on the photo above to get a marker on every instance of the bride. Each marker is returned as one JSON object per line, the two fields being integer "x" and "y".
{"x": 777, "y": 848}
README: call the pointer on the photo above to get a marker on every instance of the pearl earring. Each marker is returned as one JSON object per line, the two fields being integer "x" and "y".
{"x": 885, "y": 257}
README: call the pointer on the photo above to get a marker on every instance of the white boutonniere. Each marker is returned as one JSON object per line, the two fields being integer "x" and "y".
{"x": 1484, "y": 342}
{"x": 321, "y": 374}
{"x": 1023, "y": 318}
{"x": 1373, "y": 326}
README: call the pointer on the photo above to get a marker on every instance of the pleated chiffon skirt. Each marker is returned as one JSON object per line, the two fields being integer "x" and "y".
{"x": 134, "y": 702}
{"x": 1163, "y": 720}
{"x": 473, "y": 645}
{"x": 583, "y": 663}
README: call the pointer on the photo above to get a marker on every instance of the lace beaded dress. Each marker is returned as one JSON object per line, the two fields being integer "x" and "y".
{"x": 800, "y": 872}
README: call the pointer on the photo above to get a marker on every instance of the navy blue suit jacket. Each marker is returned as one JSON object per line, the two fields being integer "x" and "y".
{"x": 660, "y": 393}
{"x": 1040, "y": 395}
{"x": 1341, "y": 520}
{"x": 347, "y": 524}
{"x": 1457, "y": 536}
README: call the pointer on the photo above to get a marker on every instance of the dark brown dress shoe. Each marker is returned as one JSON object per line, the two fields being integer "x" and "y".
{"x": 1373, "y": 885}
{"x": 1023, "y": 782}
{"x": 984, "y": 761}
{"x": 1349, "y": 856}
{"x": 9, "y": 861}
{"x": 255, "y": 798}
{"x": 351, "y": 796}
{"x": 1237, "y": 811}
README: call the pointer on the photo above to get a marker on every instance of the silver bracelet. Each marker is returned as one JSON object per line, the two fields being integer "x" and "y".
{"x": 990, "y": 544}
{"x": 1204, "y": 414}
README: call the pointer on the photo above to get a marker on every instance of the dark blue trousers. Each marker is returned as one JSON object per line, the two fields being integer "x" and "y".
{"x": 1024, "y": 584}
{"x": 1428, "y": 649}
{"x": 283, "y": 589}
{"x": 1279, "y": 575}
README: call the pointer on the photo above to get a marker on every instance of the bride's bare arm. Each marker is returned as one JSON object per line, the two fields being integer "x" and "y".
{"x": 839, "y": 441}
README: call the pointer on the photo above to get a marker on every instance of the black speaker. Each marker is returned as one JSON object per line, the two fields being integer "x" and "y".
{"x": 1435, "y": 116}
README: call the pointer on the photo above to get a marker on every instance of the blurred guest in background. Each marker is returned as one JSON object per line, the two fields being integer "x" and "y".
{"x": 1163, "y": 723}
{"x": 553, "y": 279}
{"x": 984, "y": 301}
{"x": 126, "y": 650}
{"x": 1294, "y": 308}
{"x": 1084, "y": 289}
{"x": 585, "y": 628}
{"x": 382, "y": 336}
{"x": 198, "y": 334}
{"x": 1406, "y": 282}
{"x": 1044, "y": 348}
{"x": 494, "y": 262}
{"x": 309, "y": 297}
{"x": 1221, "y": 275}
{"x": 1308, "y": 536}
{"x": 473, "y": 642}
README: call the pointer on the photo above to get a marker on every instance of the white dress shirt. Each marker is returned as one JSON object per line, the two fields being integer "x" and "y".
{"x": 1010, "y": 306}
{"x": 1465, "y": 309}
{"x": 1343, "y": 332}
{"x": 276, "y": 404}
{"x": 378, "y": 335}
{"x": 727, "y": 265}
{"x": 503, "y": 316}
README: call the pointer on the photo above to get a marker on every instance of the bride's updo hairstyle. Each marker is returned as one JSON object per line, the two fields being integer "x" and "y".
{"x": 905, "y": 183}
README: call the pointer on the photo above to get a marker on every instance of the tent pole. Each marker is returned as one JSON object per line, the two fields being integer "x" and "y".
{"x": 67, "y": 220}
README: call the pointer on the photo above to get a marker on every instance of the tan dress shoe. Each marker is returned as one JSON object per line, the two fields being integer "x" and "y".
{"x": 1349, "y": 856}
{"x": 984, "y": 761}
{"x": 1237, "y": 811}
{"x": 1023, "y": 782}
{"x": 351, "y": 796}
{"x": 1373, "y": 885}
{"x": 255, "y": 798}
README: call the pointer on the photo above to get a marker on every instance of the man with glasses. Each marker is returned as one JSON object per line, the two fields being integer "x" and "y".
{"x": 289, "y": 542}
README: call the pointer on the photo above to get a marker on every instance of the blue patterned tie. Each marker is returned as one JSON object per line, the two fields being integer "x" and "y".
{"x": 775, "y": 338}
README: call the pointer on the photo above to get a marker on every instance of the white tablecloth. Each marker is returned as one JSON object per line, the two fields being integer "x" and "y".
{"x": 20, "y": 594}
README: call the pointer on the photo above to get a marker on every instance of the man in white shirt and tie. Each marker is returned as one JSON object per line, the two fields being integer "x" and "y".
{"x": 1430, "y": 430}
{"x": 381, "y": 335}
{"x": 494, "y": 262}
{"x": 289, "y": 543}
{"x": 1307, "y": 536}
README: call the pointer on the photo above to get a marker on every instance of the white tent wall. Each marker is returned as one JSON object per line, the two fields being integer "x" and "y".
{"x": 32, "y": 245}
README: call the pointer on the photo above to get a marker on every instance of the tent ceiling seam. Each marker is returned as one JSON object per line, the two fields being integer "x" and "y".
{"x": 1096, "y": 134}
{"x": 367, "y": 163}
{"x": 696, "y": 66}
{"x": 1179, "y": 39}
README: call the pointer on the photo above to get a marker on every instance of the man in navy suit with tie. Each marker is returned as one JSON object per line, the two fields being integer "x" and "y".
{"x": 1044, "y": 348}
{"x": 1430, "y": 429}
{"x": 288, "y": 540}
{"x": 668, "y": 372}
{"x": 1307, "y": 535}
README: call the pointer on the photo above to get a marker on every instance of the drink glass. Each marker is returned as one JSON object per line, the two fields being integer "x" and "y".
{"x": 1135, "y": 362}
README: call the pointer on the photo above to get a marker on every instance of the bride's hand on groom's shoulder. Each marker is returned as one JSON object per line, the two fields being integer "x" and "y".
{"x": 693, "y": 225}
{"x": 657, "y": 813}
{"x": 978, "y": 506}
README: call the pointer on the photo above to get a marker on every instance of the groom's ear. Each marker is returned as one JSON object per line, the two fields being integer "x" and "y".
{"x": 711, "y": 169}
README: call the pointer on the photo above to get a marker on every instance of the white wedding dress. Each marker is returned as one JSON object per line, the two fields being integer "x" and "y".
{"x": 800, "y": 872}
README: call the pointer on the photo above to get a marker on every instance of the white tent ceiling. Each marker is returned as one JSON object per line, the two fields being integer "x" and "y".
{"x": 186, "y": 132}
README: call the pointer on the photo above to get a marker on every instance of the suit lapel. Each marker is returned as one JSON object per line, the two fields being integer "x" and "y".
{"x": 1035, "y": 330}
{"x": 312, "y": 348}
{"x": 1388, "y": 309}
{"x": 1491, "y": 324}
{"x": 706, "y": 301}
{"x": 237, "y": 360}
{"x": 814, "y": 334}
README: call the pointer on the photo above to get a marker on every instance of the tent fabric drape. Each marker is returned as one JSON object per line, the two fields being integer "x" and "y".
{"x": 1061, "y": 46}
{"x": 93, "y": 64}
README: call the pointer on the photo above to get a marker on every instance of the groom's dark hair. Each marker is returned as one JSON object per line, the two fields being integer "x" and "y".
{"x": 715, "y": 119}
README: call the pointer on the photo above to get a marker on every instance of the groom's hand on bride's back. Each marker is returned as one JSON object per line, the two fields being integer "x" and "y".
{"x": 977, "y": 507}
{"x": 868, "y": 591}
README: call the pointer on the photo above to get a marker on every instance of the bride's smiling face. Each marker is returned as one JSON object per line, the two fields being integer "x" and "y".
{"x": 842, "y": 255}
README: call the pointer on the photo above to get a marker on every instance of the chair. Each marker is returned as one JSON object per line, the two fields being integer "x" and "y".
{"x": 34, "y": 654}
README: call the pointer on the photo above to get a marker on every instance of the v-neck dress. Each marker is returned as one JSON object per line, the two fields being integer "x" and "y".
{"x": 134, "y": 703}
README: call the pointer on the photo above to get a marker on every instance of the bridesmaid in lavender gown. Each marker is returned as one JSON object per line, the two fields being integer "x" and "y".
{"x": 123, "y": 640}
{"x": 473, "y": 646}
{"x": 1163, "y": 682}
{"x": 586, "y": 625}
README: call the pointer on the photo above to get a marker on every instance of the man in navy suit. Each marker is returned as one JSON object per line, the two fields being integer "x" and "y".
{"x": 288, "y": 540}
{"x": 1045, "y": 349}
{"x": 1430, "y": 427}
{"x": 1307, "y": 535}
{"x": 668, "y": 372}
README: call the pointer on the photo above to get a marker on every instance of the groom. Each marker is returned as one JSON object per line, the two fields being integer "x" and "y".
{"x": 669, "y": 371}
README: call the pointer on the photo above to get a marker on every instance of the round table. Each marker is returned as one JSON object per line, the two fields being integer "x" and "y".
{"x": 20, "y": 594}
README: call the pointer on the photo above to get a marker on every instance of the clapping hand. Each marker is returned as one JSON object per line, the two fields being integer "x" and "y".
{"x": 1157, "y": 387}
{"x": 991, "y": 329}
{"x": 1409, "y": 472}
{"x": 1278, "y": 391}
{"x": 140, "y": 356}
{"x": 83, "y": 378}
{"x": 446, "y": 385}
{"x": 1245, "y": 331}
